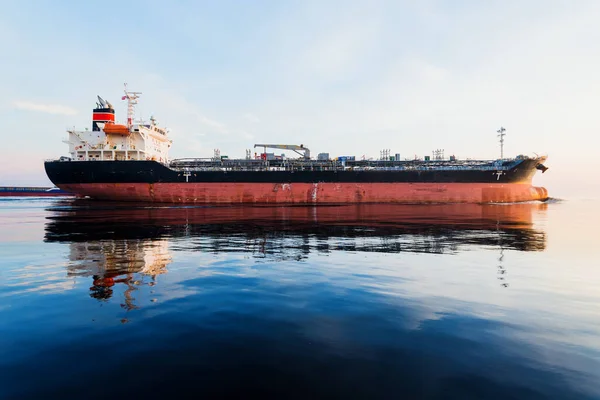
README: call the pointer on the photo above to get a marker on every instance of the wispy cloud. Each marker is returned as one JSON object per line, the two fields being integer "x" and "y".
{"x": 211, "y": 122}
{"x": 246, "y": 135}
{"x": 251, "y": 117}
{"x": 45, "y": 108}
{"x": 174, "y": 101}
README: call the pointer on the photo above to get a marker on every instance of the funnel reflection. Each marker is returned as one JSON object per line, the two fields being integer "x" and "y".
{"x": 132, "y": 262}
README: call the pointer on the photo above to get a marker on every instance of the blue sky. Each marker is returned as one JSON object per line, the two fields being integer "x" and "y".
{"x": 344, "y": 77}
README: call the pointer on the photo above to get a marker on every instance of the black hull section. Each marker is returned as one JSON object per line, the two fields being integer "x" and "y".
{"x": 81, "y": 172}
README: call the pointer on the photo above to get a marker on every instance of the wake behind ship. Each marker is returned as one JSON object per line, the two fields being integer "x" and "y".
{"x": 130, "y": 162}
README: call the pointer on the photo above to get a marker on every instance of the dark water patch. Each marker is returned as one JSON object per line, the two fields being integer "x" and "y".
{"x": 359, "y": 345}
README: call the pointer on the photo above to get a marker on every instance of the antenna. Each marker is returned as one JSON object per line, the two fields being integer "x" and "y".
{"x": 131, "y": 102}
{"x": 501, "y": 135}
{"x": 102, "y": 102}
{"x": 384, "y": 155}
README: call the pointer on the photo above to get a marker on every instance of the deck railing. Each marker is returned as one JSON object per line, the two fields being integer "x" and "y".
{"x": 194, "y": 164}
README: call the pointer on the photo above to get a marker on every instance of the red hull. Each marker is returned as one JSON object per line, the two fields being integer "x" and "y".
{"x": 309, "y": 193}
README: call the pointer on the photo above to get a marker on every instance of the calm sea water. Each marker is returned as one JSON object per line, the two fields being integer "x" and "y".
{"x": 103, "y": 300}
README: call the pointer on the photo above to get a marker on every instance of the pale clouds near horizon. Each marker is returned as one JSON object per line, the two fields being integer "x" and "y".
{"x": 45, "y": 108}
{"x": 339, "y": 77}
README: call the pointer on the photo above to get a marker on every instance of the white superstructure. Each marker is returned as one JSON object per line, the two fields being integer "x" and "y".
{"x": 108, "y": 141}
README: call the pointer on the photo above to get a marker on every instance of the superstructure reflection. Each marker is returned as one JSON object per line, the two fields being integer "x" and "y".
{"x": 133, "y": 244}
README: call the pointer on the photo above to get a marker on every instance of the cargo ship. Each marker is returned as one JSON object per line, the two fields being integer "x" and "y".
{"x": 27, "y": 191}
{"x": 130, "y": 162}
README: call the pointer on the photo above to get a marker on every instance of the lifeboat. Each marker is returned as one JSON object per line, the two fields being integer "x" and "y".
{"x": 116, "y": 129}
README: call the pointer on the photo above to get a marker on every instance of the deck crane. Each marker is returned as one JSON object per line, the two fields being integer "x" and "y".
{"x": 292, "y": 147}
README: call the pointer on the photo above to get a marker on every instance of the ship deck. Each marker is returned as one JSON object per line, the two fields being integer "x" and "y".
{"x": 211, "y": 164}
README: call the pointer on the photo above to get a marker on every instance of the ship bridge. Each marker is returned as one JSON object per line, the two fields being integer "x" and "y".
{"x": 109, "y": 140}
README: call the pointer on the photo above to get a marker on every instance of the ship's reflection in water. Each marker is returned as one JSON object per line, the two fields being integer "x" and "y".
{"x": 112, "y": 243}
{"x": 110, "y": 262}
{"x": 370, "y": 301}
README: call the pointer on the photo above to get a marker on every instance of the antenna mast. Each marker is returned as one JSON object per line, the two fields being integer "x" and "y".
{"x": 501, "y": 135}
{"x": 131, "y": 102}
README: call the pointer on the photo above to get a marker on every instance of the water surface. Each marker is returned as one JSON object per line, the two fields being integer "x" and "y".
{"x": 116, "y": 300}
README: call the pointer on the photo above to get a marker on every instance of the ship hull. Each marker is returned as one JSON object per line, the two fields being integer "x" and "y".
{"x": 149, "y": 181}
{"x": 310, "y": 193}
